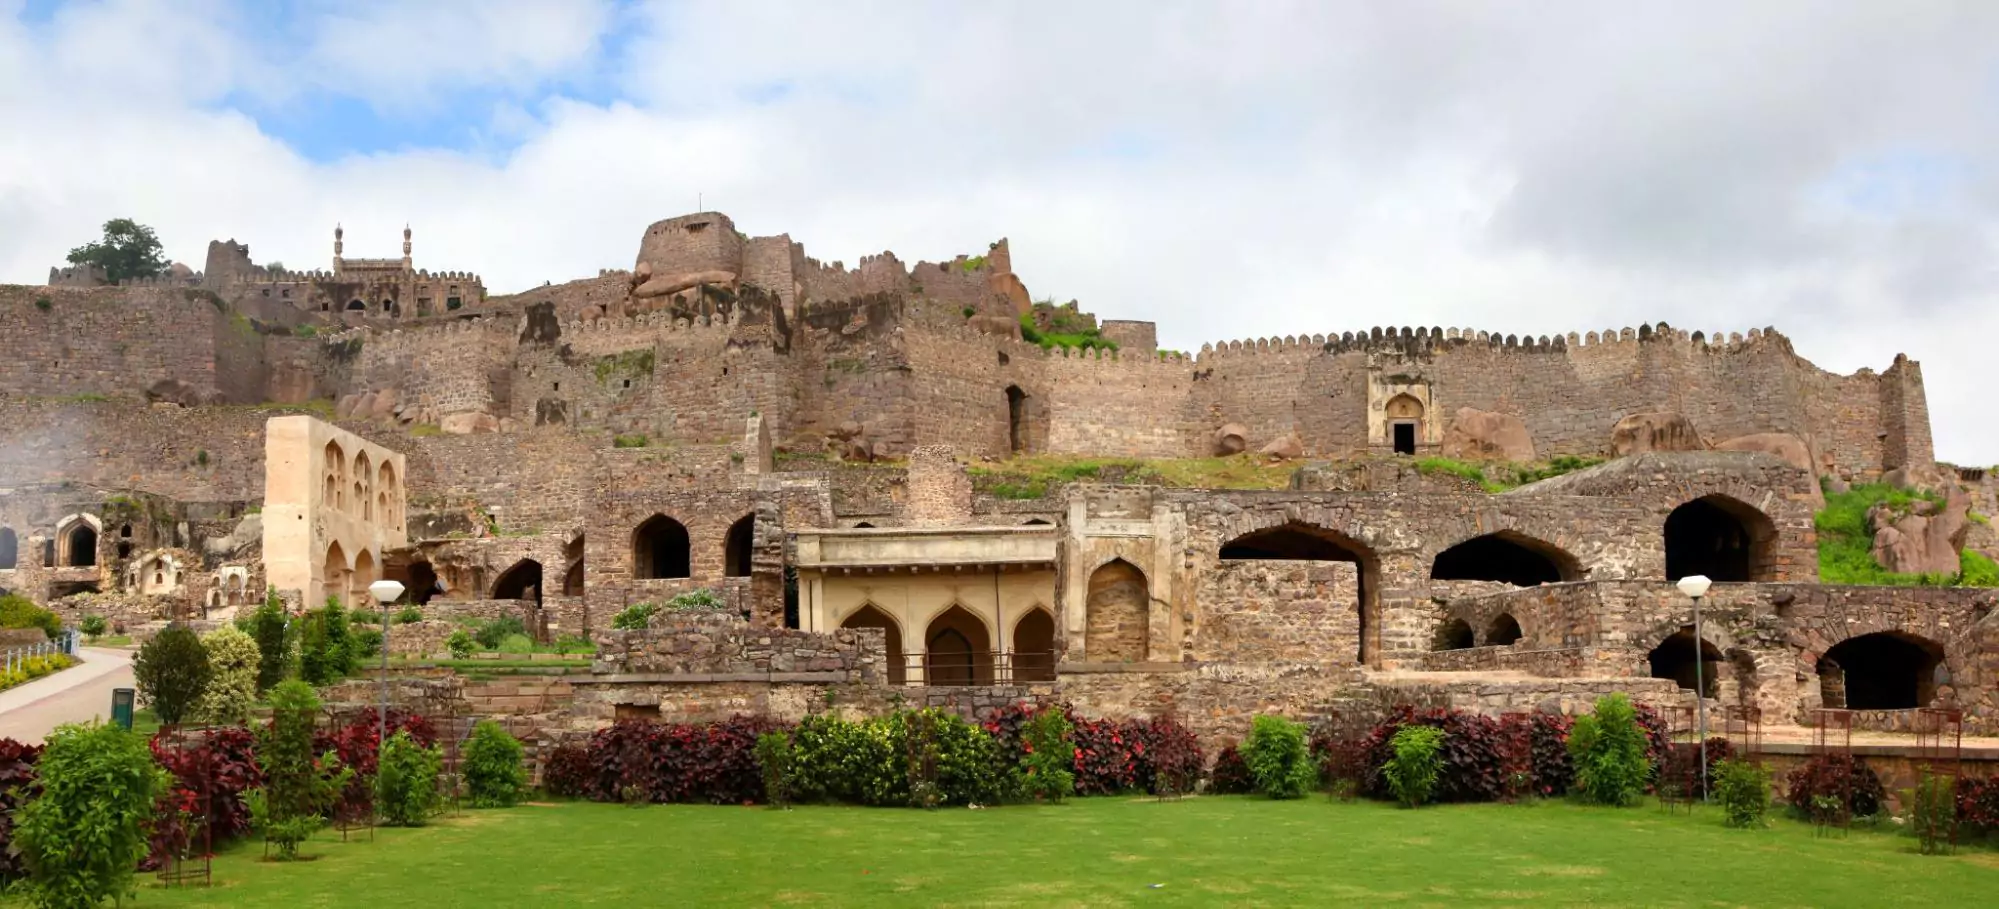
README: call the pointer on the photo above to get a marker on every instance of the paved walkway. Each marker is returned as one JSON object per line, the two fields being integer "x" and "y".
{"x": 78, "y": 694}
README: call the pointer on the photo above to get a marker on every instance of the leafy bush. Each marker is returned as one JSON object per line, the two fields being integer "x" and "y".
{"x": 1170, "y": 757}
{"x": 566, "y": 772}
{"x": 233, "y": 663}
{"x": 1743, "y": 789}
{"x": 1479, "y": 757}
{"x": 698, "y": 598}
{"x": 715, "y": 763}
{"x": 1933, "y": 813}
{"x": 409, "y": 615}
{"x": 851, "y": 762}
{"x": 406, "y": 781}
{"x": 1841, "y": 777}
{"x": 298, "y": 787}
{"x": 777, "y": 761}
{"x": 1977, "y": 803}
{"x": 34, "y": 668}
{"x": 1412, "y": 772}
{"x": 1679, "y": 766}
{"x": 223, "y": 764}
{"x": 493, "y": 632}
{"x": 17, "y": 611}
{"x": 17, "y": 775}
{"x": 366, "y": 643}
{"x": 1106, "y": 763}
{"x": 1608, "y": 749}
{"x": 967, "y": 760}
{"x": 327, "y": 651}
{"x": 1548, "y": 747}
{"x": 94, "y": 626}
{"x": 634, "y": 617}
{"x": 1278, "y": 758}
{"x": 172, "y": 671}
{"x": 1230, "y": 775}
{"x": 85, "y": 830}
{"x": 357, "y": 746}
{"x": 1049, "y": 757}
{"x": 494, "y": 776}
{"x": 460, "y": 644}
{"x": 515, "y": 644}
{"x": 269, "y": 626}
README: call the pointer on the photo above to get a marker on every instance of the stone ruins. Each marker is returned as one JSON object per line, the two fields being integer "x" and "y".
{"x": 816, "y": 443}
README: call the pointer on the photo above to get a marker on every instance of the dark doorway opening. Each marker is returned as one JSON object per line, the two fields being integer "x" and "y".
{"x": 736, "y": 550}
{"x": 660, "y": 549}
{"x": 1453, "y": 635}
{"x": 870, "y": 617}
{"x": 1885, "y": 670}
{"x": 1405, "y": 438}
{"x": 82, "y": 545}
{"x": 1676, "y": 658}
{"x": 521, "y": 582}
{"x": 1503, "y": 631}
{"x": 1016, "y": 415}
{"x": 1506, "y": 557}
{"x": 10, "y": 548}
{"x": 1034, "y": 647}
{"x": 1717, "y": 537}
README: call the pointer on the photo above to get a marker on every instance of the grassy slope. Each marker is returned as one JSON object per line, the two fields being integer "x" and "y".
{"x": 1846, "y": 546}
{"x": 1100, "y": 852}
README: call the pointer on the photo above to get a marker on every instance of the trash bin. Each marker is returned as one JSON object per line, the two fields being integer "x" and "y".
{"x": 121, "y": 706}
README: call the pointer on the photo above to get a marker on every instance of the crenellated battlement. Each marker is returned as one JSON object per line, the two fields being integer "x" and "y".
{"x": 1439, "y": 340}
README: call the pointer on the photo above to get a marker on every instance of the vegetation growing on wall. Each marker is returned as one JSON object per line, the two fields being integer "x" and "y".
{"x": 1500, "y": 476}
{"x": 1846, "y": 543}
{"x": 631, "y": 363}
{"x": 1054, "y": 326}
{"x": 1036, "y": 476}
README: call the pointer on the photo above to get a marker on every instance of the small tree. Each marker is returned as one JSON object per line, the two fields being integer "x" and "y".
{"x": 129, "y": 250}
{"x": 93, "y": 626}
{"x": 493, "y": 771}
{"x": 778, "y": 762}
{"x": 298, "y": 788}
{"x": 1279, "y": 757}
{"x": 233, "y": 661}
{"x": 1743, "y": 789}
{"x": 172, "y": 672}
{"x": 406, "y": 781}
{"x": 269, "y": 627}
{"x": 1608, "y": 749}
{"x": 1051, "y": 755}
{"x": 85, "y": 831}
{"x": 1412, "y": 772}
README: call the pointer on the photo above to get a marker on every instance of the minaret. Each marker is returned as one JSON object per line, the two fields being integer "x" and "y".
{"x": 406, "y": 247}
{"x": 337, "y": 246}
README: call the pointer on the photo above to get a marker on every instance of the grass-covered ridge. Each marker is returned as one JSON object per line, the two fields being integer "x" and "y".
{"x": 1500, "y": 476}
{"x": 1054, "y": 326}
{"x": 1846, "y": 544}
{"x": 1036, "y": 476}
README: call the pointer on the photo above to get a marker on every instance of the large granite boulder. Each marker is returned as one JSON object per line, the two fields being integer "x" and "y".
{"x": 175, "y": 391}
{"x": 1482, "y": 435}
{"x": 462, "y": 424}
{"x": 1782, "y": 444}
{"x": 1231, "y": 439}
{"x": 1286, "y": 447}
{"x": 1662, "y": 431}
{"x": 1924, "y": 540}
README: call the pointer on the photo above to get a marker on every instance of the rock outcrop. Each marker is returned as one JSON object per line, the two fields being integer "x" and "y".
{"x": 1662, "y": 431}
{"x": 1286, "y": 447}
{"x": 1782, "y": 444}
{"x": 1484, "y": 435}
{"x": 175, "y": 391}
{"x": 1925, "y": 540}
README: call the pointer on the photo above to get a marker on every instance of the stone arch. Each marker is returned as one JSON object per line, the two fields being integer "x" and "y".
{"x": 364, "y": 479}
{"x": 334, "y": 491}
{"x": 572, "y": 579}
{"x": 1455, "y": 634}
{"x": 660, "y": 549}
{"x": 1404, "y": 415}
{"x": 334, "y": 570}
{"x": 521, "y": 581}
{"x": 365, "y": 573}
{"x": 234, "y": 590}
{"x": 1292, "y": 540}
{"x": 737, "y": 546}
{"x": 10, "y": 549}
{"x": 1676, "y": 658}
{"x": 1506, "y": 556}
{"x": 1117, "y": 614}
{"x": 423, "y": 583}
{"x": 1882, "y": 670}
{"x": 1721, "y": 537}
{"x": 871, "y": 616}
{"x": 1034, "y": 647}
{"x": 76, "y": 541}
{"x": 356, "y": 305}
{"x": 1502, "y": 631}
{"x": 957, "y": 649}
{"x": 1016, "y": 420}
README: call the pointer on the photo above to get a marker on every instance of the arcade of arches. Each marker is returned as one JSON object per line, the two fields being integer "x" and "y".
{"x": 946, "y": 627}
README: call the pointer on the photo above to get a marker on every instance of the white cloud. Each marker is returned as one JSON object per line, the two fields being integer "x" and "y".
{"x": 1228, "y": 170}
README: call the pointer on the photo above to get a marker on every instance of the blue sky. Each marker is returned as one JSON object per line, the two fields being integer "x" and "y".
{"x": 1228, "y": 170}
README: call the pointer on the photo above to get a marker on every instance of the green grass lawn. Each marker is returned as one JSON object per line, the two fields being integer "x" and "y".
{"x": 1100, "y": 852}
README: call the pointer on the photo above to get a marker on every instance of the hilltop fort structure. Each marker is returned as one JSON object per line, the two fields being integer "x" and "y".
{"x": 916, "y": 482}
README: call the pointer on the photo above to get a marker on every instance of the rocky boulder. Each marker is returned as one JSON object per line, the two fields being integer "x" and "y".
{"x": 1925, "y": 540}
{"x": 995, "y": 325}
{"x": 1231, "y": 439}
{"x": 1782, "y": 444}
{"x": 1663, "y": 431}
{"x": 1482, "y": 434}
{"x": 1286, "y": 447}
{"x": 666, "y": 285}
{"x": 175, "y": 391}
{"x": 464, "y": 424}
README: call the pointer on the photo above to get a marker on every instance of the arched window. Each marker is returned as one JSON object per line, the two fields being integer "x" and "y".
{"x": 1676, "y": 658}
{"x": 334, "y": 493}
{"x": 1116, "y": 614}
{"x": 80, "y": 545}
{"x": 572, "y": 581}
{"x": 958, "y": 651}
{"x": 522, "y": 581}
{"x": 10, "y": 549}
{"x": 736, "y": 549}
{"x": 1453, "y": 635}
{"x": 870, "y": 617}
{"x": 1405, "y": 423}
{"x": 1886, "y": 670}
{"x": 660, "y": 550}
{"x": 1502, "y": 631}
{"x": 356, "y": 306}
{"x": 334, "y": 571}
{"x": 1721, "y": 537}
{"x": 1507, "y": 557}
{"x": 1034, "y": 647}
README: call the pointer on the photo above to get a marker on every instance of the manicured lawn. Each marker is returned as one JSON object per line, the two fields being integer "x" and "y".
{"x": 1100, "y": 852}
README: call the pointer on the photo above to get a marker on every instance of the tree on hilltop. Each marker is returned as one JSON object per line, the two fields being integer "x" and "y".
{"x": 129, "y": 250}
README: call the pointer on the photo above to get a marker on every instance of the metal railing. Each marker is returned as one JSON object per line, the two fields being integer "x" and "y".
{"x": 17, "y": 657}
{"x": 979, "y": 667}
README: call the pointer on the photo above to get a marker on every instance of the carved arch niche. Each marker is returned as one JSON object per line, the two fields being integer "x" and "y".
{"x": 1401, "y": 415}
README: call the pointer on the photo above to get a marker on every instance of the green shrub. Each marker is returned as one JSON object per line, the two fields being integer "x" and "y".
{"x": 86, "y": 829}
{"x": 1278, "y": 757}
{"x": 1932, "y": 812}
{"x": 1608, "y": 750}
{"x": 366, "y": 643}
{"x": 409, "y": 615}
{"x": 172, "y": 671}
{"x": 17, "y": 611}
{"x": 94, "y": 626}
{"x": 233, "y": 661}
{"x": 493, "y": 632}
{"x": 634, "y": 617}
{"x": 516, "y": 644}
{"x": 326, "y": 646}
{"x": 298, "y": 787}
{"x": 969, "y": 770}
{"x": 1743, "y": 789}
{"x": 406, "y": 781}
{"x": 574, "y": 643}
{"x": 460, "y": 644}
{"x": 271, "y": 627}
{"x": 1051, "y": 756}
{"x": 635, "y": 440}
{"x": 1412, "y": 773}
{"x": 777, "y": 762}
{"x": 863, "y": 763}
{"x": 698, "y": 598}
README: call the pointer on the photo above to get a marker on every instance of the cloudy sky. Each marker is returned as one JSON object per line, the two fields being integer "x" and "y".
{"x": 1228, "y": 170}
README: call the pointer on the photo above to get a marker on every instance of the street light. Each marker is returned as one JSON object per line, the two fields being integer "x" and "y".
{"x": 385, "y": 592}
{"x": 1695, "y": 586}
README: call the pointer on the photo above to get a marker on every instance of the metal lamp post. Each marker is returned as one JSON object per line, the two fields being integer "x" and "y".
{"x": 1695, "y": 586}
{"x": 384, "y": 592}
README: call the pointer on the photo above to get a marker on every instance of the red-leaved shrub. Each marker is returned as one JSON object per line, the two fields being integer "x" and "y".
{"x": 634, "y": 760}
{"x": 1170, "y": 760}
{"x": 213, "y": 770}
{"x": 1476, "y": 754}
{"x": 357, "y": 743}
{"x": 1548, "y": 738}
{"x": 1835, "y": 775}
{"x": 17, "y": 777}
{"x": 1978, "y": 804}
{"x": 1230, "y": 775}
{"x": 1107, "y": 760}
{"x": 566, "y": 771}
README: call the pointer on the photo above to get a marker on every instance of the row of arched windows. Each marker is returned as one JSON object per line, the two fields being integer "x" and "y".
{"x": 958, "y": 647}
{"x": 661, "y": 549}
{"x": 361, "y": 489}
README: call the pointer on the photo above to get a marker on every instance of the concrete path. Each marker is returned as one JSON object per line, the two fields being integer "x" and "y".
{"x": 30, "y": 712}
